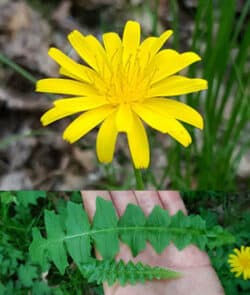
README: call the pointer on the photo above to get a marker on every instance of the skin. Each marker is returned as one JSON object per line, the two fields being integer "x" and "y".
{"x": 198, "y": 276}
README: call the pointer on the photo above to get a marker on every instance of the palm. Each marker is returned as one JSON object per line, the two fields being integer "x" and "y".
{"x": 198, "y": 275}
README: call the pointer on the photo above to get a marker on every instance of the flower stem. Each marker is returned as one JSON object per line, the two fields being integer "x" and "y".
{"x": 138, "y": 178}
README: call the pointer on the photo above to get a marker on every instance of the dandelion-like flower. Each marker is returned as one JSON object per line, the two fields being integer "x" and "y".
{"x": 124, "y": 83}
{"x": 240, "y": 262}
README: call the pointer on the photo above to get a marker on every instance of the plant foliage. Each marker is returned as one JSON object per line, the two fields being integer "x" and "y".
{"x": 74, "y": 234}
{"x": 111, "y": 271}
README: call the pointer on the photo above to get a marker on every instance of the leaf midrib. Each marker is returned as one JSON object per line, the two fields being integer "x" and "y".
{"x": 126, "y": 229}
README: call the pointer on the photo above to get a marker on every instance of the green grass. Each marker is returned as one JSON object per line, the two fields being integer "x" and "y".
{"x": 225, "y": 106}
{"x": 15, "y": 67}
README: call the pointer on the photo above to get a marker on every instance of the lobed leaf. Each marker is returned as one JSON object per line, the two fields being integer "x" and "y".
{"x": 133, "y": 228}
{"x": 55, "y": 244}
{"x": 79, "y": 245}
{"x": 104, "y": 231}
{"x": 38, "y": 249}
{"x": 26, "y": 274}
{"x": 111, "y": 271}
{"x": 29, "y": 197}
{"x": 159, "y": 218}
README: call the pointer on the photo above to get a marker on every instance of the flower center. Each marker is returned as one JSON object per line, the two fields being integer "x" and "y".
{"x": 245, "y": 262}
{"x": 127, "y": 81}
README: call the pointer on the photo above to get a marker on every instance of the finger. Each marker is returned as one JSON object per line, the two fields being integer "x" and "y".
{"x": 121, "y": 199}
{"x": 172, "y": 201}
{"x": 89, "y": 200}
{"x": 147, "y": 200}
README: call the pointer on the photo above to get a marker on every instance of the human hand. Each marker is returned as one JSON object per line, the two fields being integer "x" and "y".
{"x": 198, "y": 276}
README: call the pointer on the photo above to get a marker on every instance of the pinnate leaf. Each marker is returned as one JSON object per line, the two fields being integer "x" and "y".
{"x": 110, "y": 271}
{"x": 219, "y": 237}
{"x": 75, "y": 235}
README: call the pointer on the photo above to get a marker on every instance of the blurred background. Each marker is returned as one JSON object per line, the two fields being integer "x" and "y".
{"x": 33, "y": 157}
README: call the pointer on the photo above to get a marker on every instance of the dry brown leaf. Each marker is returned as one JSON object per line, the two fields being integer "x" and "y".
{"x": 94, "y": 4}
{"x": 86, "y": 158}
{"x": 25, "y": 102}
{"x": 25, "y": 37}
{"x": 62, "y": 17}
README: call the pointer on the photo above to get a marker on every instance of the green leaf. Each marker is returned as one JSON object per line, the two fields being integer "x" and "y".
{"x": 79, "y": 246}
{"x": 218, "y": 237}
{"x": 75, "y": 235}
{"x": 104, "y": 230}
{"x": 29, "y": 197}
{"x": 134, "y": 233}
{"x": 26, "y": 274}
{"x": 181, "y": 231}
{"x": 159, "y": 218}
{"x": 110, "y": 271}
{"x": 76, "y": 197}
{"x": 2, "y": 289}
{"x": 7, "y": 197}
{"x": 41, "y": 288}
{"x": 38, "y": 249}
{"x": 200, "y": 225}
{"x": 55, "y": 244}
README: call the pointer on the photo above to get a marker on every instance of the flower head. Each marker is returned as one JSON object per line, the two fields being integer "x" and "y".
{"x": 240, "y": 262}
{"x": 124, "y": 83}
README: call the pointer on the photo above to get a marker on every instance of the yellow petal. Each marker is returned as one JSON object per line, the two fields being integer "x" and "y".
{"x": 85, "y": 102}
{"x": 124, "y": 118}
{"x": 159, "y": 42}
{"x": 89, "y": 49}
{"x": 164, "y": 124}
{"x": 148, "y": 49}
{"x": 69, "y": 106}
{"x": 55, "y": 114}
{"x": 145, "y": 54}
{"x": 147, "y": 43}
{"x": 67, "y": 74}
{"x": 112, "y": 43}
{"x": 65, "y": 86}
{"x": 176, "y": 110}
{"x": 131, "y": 36}
{"x": 94, "y": 79}
{"x": 177, "y": 85}
{"x": 84, "y": 123}
{"x": 169, "y": 62}
{"x": 80, "y": 71}
{"x": 150, "y": 46}
{"x": 77, "y": 40}
{"x": 106, "y": 139}
{"x": 130, "y": 40}
{"x": 138, "y": 144}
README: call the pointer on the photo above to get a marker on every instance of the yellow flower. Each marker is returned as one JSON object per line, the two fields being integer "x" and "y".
{"x": 240, "y": 262}
{"x": 123, "y": 84}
